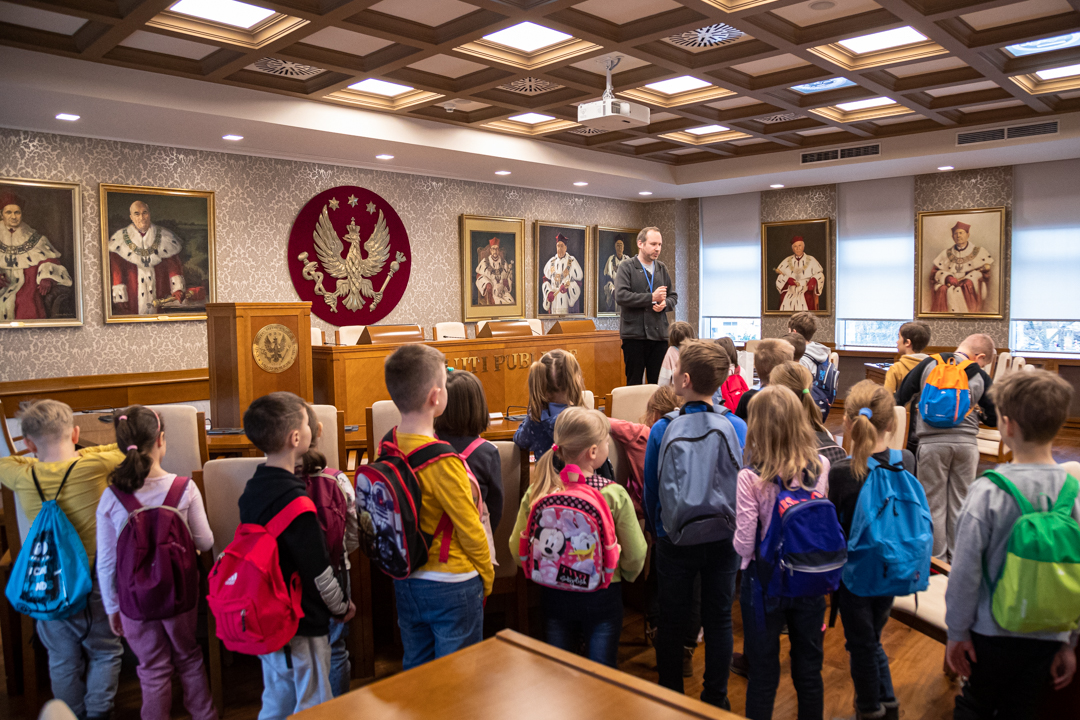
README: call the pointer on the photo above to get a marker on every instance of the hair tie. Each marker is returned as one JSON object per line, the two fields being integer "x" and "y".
{"x": 122, "y": 417}
{"x": 132, "y": 447}
{"x": 554, "y": 448}
{"x": 866, "y": 413}
{"x": 806, "y": 391}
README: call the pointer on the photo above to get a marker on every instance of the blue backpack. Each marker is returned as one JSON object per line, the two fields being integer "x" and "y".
{"x": 804, "y": 551}
{"x": 823, "y": 389}
{"x": 51, "y": 577}
{"x": 892, "y": 536}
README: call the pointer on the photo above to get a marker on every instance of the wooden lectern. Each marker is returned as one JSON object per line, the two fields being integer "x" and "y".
{"x": 240, "y": 370}
{"x": 566, "y": 327}
{"x": 382, "y": 334}
{"x": 508, "y": 328}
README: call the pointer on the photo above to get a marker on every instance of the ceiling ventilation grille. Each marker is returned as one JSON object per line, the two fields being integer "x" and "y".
{"x": 820, "y": 156}
{"x": 1043, "y": 128}
{"x": 1010, "y": 133}
{"x": 848, "y": 153}
{"x": 861, "y": 151}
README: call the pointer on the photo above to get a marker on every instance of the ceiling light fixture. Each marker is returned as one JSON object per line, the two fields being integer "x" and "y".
{"x": 1035, "y": 47}
{"x": 384, "y": 156}
{"x": 822, "y": 5}
{"x": 946, "y": 167}
{"x": 527, "y": 37}
{"x": 580, "y": 184}
{"x": 864, "y": 104}
{"x": 883, "y": 40}
{"x": 674, "y": 86}
{"x": 380, "y": 87}
{"x": 776, "y": 187}
{"x": 1057, "y": 73}
{"x": 531, "y": 118}
{"x": 232, "y": 137}
{"x": 502, "y": 172}
{"x": 227, "y": 12}
{"x": 645, "y": 192}
{"x": 706, "y": 130}
{"x": 823, "y": 85}
{"x": 67, "y": 116}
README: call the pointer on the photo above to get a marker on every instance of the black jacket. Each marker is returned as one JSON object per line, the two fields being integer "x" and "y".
{"x": 637, "y": 321}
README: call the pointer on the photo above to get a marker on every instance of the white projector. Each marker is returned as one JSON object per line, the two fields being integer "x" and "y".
{"x": 612, "y": 114}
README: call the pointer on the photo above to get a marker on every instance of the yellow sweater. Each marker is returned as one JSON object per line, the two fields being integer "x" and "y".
{"x": 899, "y": 370}
{"x": 81, "y": 494}
{"x": 447, "y": 490}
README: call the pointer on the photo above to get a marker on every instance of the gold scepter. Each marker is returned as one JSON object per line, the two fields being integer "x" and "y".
{"x": 393, "y": 269}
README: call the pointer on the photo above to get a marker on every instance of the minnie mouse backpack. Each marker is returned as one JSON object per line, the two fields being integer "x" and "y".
{"x": 569, "y": 542}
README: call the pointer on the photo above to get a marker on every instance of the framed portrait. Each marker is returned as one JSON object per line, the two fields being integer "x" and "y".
{"x": 40, "y": 254}
{"x": 157, "y": 247}
{"x": 960, "y": 262}
{"x": 492, "y": 267}
{"x": 610, "y": 247}
{"x": 562, "y": 280}
{"x": 795, "y": 267}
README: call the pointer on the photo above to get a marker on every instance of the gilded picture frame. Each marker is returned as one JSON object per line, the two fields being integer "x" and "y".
{"x": 489, "y": 289}
{"x": 603, "y": 265}
{"x": 42, "y": 246}
{"x": 791, "y": 283}
{"x": 157, "y": 253}
{"x": 952, "y": 282}
{"x": 562, "y": 283}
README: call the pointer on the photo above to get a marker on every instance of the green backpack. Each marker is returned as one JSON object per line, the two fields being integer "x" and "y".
{"x": 1038, "y": 589}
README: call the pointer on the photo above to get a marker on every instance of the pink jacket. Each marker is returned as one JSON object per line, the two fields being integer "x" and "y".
{"x": 633, "y": 437}
{"x": 754, "y": 502}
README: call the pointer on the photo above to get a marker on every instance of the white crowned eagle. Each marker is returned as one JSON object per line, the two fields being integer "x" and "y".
{"x": 354, "y": 273}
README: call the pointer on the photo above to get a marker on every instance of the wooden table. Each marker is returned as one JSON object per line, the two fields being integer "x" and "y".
{"x": 876, "y": 371}
{"x": 513, "y": 677}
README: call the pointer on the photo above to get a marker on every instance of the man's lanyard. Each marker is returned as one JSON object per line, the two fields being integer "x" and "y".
{"x": 648, "y": 277}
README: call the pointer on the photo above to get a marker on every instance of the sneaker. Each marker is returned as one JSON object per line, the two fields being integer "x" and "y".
{"x": 688, "y": 662}
{"x": 739, "y": 665}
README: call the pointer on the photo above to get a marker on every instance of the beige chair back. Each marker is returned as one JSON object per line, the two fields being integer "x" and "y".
{"x": 330, "y": 444}
{"x": 834, "y": 358}
{"x": 316, "y": 337}
{"x": 1018, "y": 364}
{"x": 629, "y": 403}
{"x": 56, "y": 710}
{"x": 515, "y": 479}
{"x": 746, "y": 367}
{"x": 384, "y": 417}
{"x": 1028, "y": 367}
{"x": 589, "y": 399}
{"x": 537, "y": 326}
{"x": 349, "y": 334}
{"x": 184, "y": 438}
{"x": 751, "y": 345}
{"x": 224, "y": 482}
{"x": 450, "y": 331}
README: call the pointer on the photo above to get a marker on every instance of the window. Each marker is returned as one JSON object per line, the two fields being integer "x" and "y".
{"x": 1051, "y": 336}
{"x": 736, "y": 328}
{"x": 868, "y": 333}
{"x": 731, "y": 266}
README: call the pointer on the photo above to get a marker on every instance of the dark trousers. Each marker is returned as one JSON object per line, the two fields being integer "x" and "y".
{"x": 1008, "y": 680}
{"x": 716, "y": 564}
{"x": 864, "y": 618}
{"x": 643, "y": 356}
{"x": 595, "y": 618}
{"x": 652, "y": 614}
{"x": 805, "y": 618}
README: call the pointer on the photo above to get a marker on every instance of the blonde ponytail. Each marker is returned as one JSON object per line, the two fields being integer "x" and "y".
{"x": 869, "y": 411}
{"x": 796, "y": 378}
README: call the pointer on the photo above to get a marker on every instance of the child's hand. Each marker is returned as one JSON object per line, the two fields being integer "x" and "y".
{"x": 958, "y": 654}
{"x": 1063, "y": 667}
{"x": 350, "y": 613}
{"x": 118, "y": 629}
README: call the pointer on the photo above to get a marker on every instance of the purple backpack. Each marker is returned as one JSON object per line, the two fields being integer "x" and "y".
{"x": 331, "y": 508}
{"x": 156, "y": 566}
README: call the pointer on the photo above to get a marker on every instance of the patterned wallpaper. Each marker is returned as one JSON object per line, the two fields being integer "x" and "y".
{"x": 257, "y": 199}
{"x": 678, "y": 220}
{"x": 806, "y": 203}
{"x": 967, "y": 189}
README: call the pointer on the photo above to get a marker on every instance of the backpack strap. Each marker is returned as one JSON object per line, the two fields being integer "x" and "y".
{"x": 37, "y": 485}
{"x": 290, "y": 512}
{"x": 1005, "y": 484}
{"x": 176, "y": 492}
{"x": 128, "y": 500}
{"x": 1067, "y": 497}
{"x": 433, "y": 451}
{"x": 472, "y": 447}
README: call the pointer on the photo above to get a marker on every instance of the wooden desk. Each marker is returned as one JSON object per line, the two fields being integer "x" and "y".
{"x": 876, "y": 371}
{"x": 511, "y": 676}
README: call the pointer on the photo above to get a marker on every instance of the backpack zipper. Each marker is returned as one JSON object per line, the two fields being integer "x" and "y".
{"x": 243, "y": 622}
{"x": 791, "y": 568}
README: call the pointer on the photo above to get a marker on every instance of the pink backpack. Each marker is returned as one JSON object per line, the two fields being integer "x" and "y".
{"x": 569, "y": 542}
{"x": 156, "y": 566}
{"x": 481, "y": 505}
{"x": 332, "y": 508}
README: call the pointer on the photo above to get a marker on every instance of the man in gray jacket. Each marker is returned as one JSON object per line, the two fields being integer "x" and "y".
{"x": 644, "y": 295}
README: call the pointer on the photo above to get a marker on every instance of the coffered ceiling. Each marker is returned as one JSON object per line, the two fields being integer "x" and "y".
{"x": 723, "y": 78}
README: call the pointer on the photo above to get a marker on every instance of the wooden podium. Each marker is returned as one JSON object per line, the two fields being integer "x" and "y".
{"x": 240, "y": 370}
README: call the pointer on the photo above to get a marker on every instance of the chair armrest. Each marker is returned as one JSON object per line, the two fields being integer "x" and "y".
{"x": 940, "y": 565}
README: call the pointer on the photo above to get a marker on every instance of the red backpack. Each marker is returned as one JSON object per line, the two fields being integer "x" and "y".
{"x": 256, "y": 611}
{"x": 332, "y": 509}
{"x": 155, "y": 558}
{"x": 732, "y": 390}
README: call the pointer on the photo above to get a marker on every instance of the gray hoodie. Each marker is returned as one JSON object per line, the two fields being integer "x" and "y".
{"x": 982, "y": 531}
{"x": 815, "y": 354}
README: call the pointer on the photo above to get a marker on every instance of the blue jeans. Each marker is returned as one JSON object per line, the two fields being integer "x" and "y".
{"x": 596, "y": 616}
{"x": 805, "y": 619}
{"x": 716, "y": 564}
{"x": 864, "y": 618}
{"x": 438, "y": 618}
{"x": 340, "y": 667}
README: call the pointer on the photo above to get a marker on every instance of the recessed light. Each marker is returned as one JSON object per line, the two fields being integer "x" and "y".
{"x": 883, "y": 40}
{"x": 232, "y": 137}
{"x": 502, "y": 172}
{"x": 228, "y": 12}
{"x": 674, "y": 86}
{"x": 823, "y": 85}
{"x": 644, "y": 192}
{"x": 380, "y": 87}
{"x": 384, "y": 157}
{"x": 822, "y": 5}
{"x": 67, "y": 116}
{"x": 706, "y": 130}
{"x": 1034, "y": 47}
{"x": 1061, "y": 72}
{"x": 580, "y": 184}
{"x": 776, "y": 187}
{"x": 527, "y": 37}
{"x": 946, "y": 167}
{"x": 531, "y": 118}
{"x": 864, "y": 104}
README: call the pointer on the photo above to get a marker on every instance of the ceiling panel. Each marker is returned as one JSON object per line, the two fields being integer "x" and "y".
{"x": 1015, "y": 13}
{"x": 447, "y": 66}
{"x": 425, "y": 12}
{"x": 40, "y": 19}
{"x": 818, "y": 11}
{"x": 621, "y": 12}
{"x": 346, "y": 41}
{"x": 168, "y": 45}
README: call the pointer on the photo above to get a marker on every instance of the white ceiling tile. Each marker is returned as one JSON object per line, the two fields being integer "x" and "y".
{"x": 930, "y": 66}
{"x": 749, "y": 141}
{"x": 662, "y": 116}
{"x": 1018, "y": 12}
{"x": 639, "y": 141}
{"x": 899, "y": 119}
{"x": 346, "y": 41}
{"x": 803, "y": 15}
{"x": 432, "y": 13}
{"x": 594, "y": 65}
{"x": 621, "y": 12}
{"x": 959, "y": 89}
{"x": 992, "y": 106}
{"x": 40, "y": 19}
{"x": 685, "y": 151}
{"x": 447, "y": 66}
{"x": 167, "y": 45}
{"x": 774, "y": 64}
{"x": 735, "y": 102}
{"x": 820, "y": 131}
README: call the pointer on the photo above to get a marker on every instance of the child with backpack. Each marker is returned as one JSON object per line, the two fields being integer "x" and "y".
{"x": 797, "y": 379}
{"x": 678, "y": 332}
{"x": 733, "y": 387}
{"x": 291, "y": 640}
{"x": 769, "y": 354}
{"x": 335, "y": 507}
{"x": 634, "y": 436}
{"x": 555, "y": 383}
{"x": 1012, "y": 607}
{"x": 578, "y": 537}
{"x": 59, "y": 492}
{"x": 792, "y": 549}
{"x": 911, "y": 340}
{"x": 816, "y": 360}
{"x": 149, "y": 525}
{"x": 691, "y": 462}
{"x": 461, "y": 424}
{"x": 953, "y": 399}
{"x": 888, "y": 552}
{"x": 440, "y": 595}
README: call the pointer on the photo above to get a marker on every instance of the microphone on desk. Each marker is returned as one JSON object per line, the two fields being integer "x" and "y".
{"x": 452, "y": 337}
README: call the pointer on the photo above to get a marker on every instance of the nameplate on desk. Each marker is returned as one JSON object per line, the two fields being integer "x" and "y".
{"x": 495, "y": 416}
{"x": 497, "y": 362}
